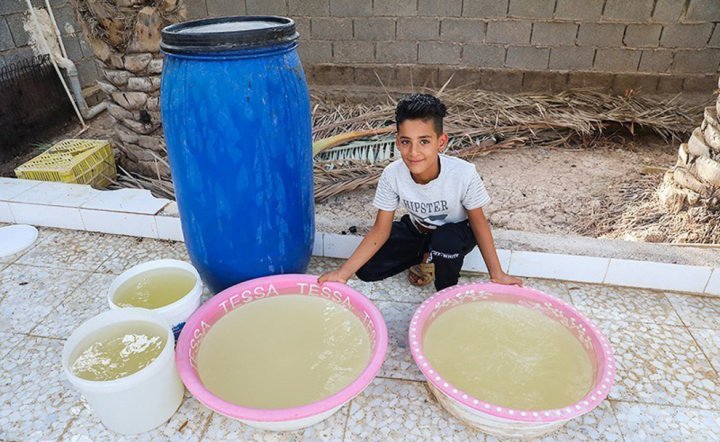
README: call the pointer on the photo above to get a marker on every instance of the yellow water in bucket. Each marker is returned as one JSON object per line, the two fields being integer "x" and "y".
{"x": 508, "y": 355}
{"x": 118, "y": 351}
{"x": 283, "y": 352}
{"x": 154, "y": 288}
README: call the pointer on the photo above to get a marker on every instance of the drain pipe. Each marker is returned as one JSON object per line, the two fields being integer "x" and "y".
{"x": 72, "y": 73}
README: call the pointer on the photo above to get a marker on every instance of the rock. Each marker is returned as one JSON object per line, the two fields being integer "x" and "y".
{"x": 712, "y": 137}
{"x": 711, "y": 116}
{"x": 137, "y": 62}
{"x": 683, "y": 155}
{"x": 126, "y": 136}
{"x": 673, "y": 199}
{"x": 118, "y": 112}
{"x": 155, "y": 66}
{"x": 137, "y": 153}
{"x": 156, "y": 144}
{"x": 116, "y": 61}
{"x": 696, "y": 144}
{"x": 687, "y": 180}
{"x": 129, "y": 150}
{"x": 708, "y": 170}
{"x": 143, "y": 84}
{"x": 130, "y": 100}
{"x": 153, "y": 103}
{"x": 108, "y": 88}
{"x": 139, "y": 127}
{"x": 117, "y": 77}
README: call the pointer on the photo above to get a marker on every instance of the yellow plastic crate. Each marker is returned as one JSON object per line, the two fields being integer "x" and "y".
{"x": 73, "y": 161}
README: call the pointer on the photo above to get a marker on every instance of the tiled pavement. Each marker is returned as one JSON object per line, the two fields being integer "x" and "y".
{"x": 667, "y": 347}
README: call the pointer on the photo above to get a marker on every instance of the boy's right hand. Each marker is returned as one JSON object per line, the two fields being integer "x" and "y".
{"x": 333, "y": 276}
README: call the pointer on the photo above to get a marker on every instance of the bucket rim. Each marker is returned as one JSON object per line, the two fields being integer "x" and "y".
{"x": 195, "y": 291}
{"x": 189, "y": 339}
{"x": 107, "y": 319}
{"x": 602, "y": 382}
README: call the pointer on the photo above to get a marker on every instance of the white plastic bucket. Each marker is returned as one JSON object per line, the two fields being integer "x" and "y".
{"x": 138, "y": 402}
{"x": 179, "y": 311}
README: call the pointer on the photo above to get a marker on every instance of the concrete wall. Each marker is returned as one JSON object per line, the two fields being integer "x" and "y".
{"x": 650, "y": 45}
{"x": 14, "y": 39}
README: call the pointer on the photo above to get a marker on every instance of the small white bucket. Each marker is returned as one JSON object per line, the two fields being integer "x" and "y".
{"x": 138, "y": 402}
{"x": 179, "y": 311}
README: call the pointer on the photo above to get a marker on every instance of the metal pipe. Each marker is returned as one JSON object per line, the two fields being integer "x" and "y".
{"x": 57, "y": 30}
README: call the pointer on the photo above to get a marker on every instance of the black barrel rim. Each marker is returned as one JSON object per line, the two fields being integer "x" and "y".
{"x": 217, "y": 34}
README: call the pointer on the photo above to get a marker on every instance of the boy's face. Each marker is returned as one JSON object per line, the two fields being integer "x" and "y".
{"x": 419, "y": 146}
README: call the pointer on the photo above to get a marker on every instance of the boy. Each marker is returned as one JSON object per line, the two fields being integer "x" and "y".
{"x": 444, "y": 197}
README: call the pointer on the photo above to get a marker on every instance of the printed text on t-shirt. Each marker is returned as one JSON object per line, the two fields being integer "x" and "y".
{"x": 418, "y": 207}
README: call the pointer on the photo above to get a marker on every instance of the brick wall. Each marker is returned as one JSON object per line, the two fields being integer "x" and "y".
{"x": 14, "y": 39}
{"x": 650, "y": 45}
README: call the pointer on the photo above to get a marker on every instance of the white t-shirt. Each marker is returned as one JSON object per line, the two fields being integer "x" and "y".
{"x": 441, "y": 201}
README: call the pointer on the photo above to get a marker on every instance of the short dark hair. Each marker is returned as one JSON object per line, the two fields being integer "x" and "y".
{"x": 421, "y": 107}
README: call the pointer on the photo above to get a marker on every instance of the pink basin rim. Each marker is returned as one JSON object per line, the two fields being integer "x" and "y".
{"x": 603, "y": 354}
{"x": 281, "y": 282}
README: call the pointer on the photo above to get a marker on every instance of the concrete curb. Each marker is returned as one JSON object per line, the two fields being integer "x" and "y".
{"x": 136, "y": 212}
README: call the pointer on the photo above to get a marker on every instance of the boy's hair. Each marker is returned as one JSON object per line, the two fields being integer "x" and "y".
{"x": 421, "y": 107}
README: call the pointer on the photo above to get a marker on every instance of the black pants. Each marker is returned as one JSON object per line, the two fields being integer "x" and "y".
{"x": 447, "y": 245}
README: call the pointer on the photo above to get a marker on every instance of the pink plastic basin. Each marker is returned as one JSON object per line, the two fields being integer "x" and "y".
{"x": 250, "y": 291}
{"x": 503, "y": 421}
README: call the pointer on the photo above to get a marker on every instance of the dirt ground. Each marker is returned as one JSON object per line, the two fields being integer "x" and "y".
{"x": 547, "y": 190}
{"x": 99, "y": 128}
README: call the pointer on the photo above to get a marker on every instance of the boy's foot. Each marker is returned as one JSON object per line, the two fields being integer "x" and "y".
{"x": 422, "y": 274}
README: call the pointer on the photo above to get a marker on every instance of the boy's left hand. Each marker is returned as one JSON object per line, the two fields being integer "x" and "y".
{"x": 504, "y": 278}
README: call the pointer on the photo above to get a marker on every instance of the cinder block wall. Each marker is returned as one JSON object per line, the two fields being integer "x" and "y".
{"x": 510, "y": 45}
{"x": 14, "y": 45}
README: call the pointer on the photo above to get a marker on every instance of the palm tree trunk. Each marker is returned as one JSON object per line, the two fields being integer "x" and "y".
{"x": 695, "y": 179}
{"x": 125, "y": 37}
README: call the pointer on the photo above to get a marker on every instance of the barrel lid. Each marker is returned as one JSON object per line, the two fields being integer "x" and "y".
{"x": 227, "y": 33}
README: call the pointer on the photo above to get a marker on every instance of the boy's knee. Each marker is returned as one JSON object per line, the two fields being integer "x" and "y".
{"x": 442, "y": 285}
{"x": 366, "y": 275}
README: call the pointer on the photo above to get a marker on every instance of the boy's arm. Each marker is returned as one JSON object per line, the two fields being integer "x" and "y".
{"x": 372, "y": 242}
{"x": 484, "y": 239}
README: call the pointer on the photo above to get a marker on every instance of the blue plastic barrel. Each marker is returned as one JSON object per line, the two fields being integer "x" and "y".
{"x": 236, "y": 115}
